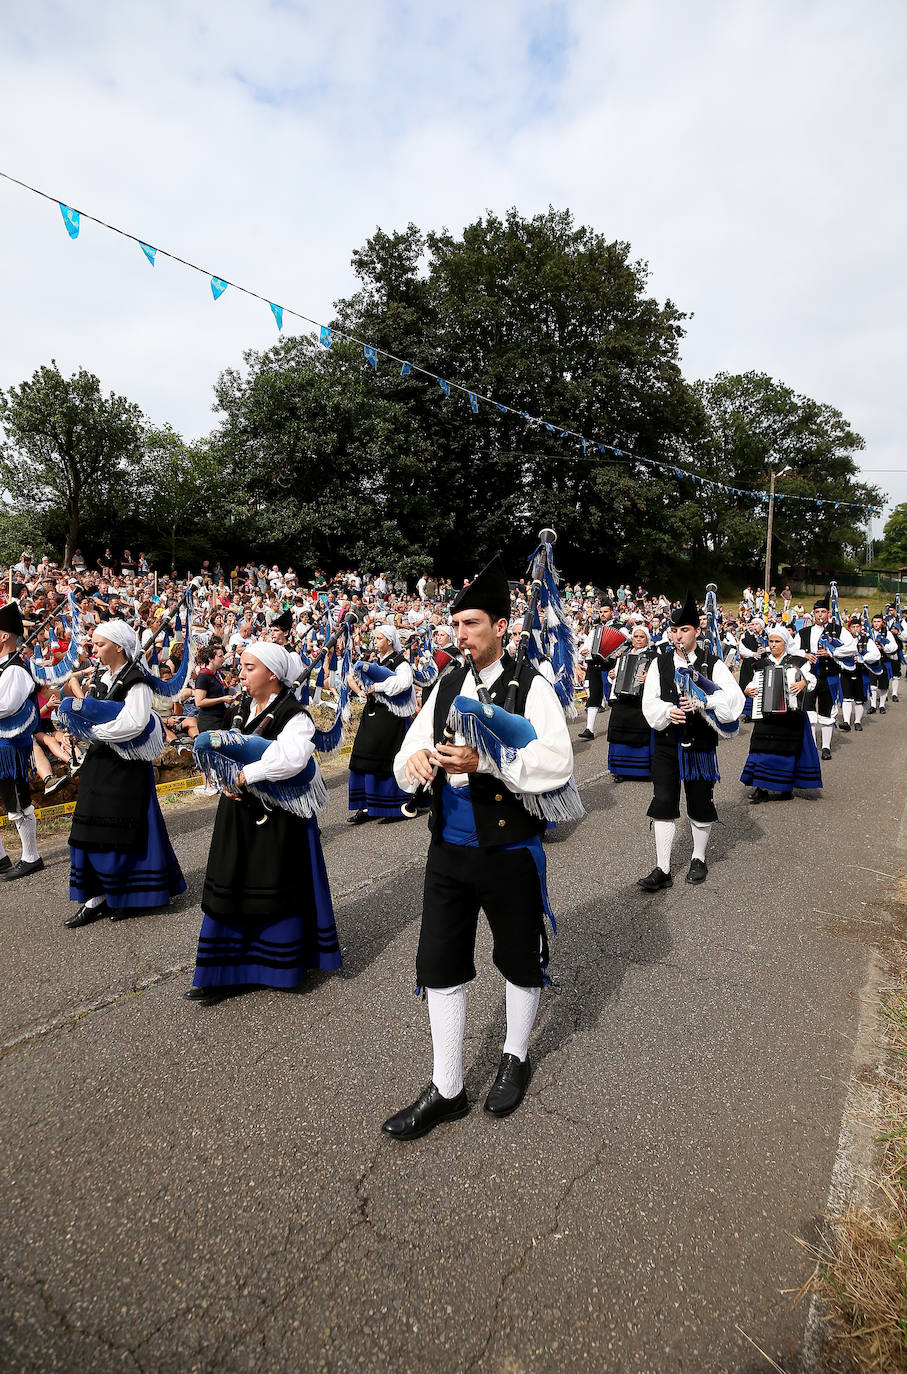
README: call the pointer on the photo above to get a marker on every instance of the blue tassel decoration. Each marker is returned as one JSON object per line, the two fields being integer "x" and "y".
{"x": 498, "y": 736}
{"x": 698, "y": 765}
{"x": 223, "y": 754}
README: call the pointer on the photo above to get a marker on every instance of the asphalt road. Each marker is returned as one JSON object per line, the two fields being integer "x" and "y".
{"x": 189, "y": 1188}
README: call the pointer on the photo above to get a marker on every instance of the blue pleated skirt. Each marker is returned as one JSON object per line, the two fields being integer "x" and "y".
{"x": 275, "y": 953}
{"x": 378, "y": 796}
{"x": 134, "y": 878}
{"x": 630, "y": 761}
{"x": 783, "y": 772}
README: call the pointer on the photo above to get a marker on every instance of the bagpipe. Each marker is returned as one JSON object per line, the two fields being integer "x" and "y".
{"x": 878, "y": 668}
{"x": 370, "y": 674}
{"x": 17, "y": 732}
{"x": 831, "y": 641}
{"x": 546, "y": 639}
{"x": 693, "y": 684}
{"x": 335, "y": 655}
{"x": 423, "y": 661}
{"x": 223, "y": 754}
{"x": 53, "y": 674}
{"x": 80, "y": 716}
{"x": 498, "y": 733}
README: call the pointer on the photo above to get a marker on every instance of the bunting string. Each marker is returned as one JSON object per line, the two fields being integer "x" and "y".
{"x": 72, "y": 219}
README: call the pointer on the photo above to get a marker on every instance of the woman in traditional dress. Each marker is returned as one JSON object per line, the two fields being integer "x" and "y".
{"x": 121, "y": 858}
{"x": 783, "y": 753}
{"x": 629, "y": 733}
{"x": 373, "y": 788}
{"x": 266, "y": 903}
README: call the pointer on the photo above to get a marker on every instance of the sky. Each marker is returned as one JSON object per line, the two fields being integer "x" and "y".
{"x": 752, "y": 154}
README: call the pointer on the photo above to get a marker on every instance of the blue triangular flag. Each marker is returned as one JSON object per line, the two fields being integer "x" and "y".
{"x": 277, "y": 311}
{"x": 218, "y": 287}
{"x": 325, "y": 336}
{"x": 601, "y": 448}
{"x": 405, "y": 370}
{"x": 563, "y": 434}
{"x": 371, "y": 355}
{"x": 502, "y": 409}
{"x": 525, "y": 414}
{"x": 617, "y": 453}
{"x": 149, "y": 252}
{"x": 584, "y": 444}
{"x": 445, "y": 386}
{"x": 550, "y": 428}
{"x": 473, "y": 402}
{"x": 70, "y": 219}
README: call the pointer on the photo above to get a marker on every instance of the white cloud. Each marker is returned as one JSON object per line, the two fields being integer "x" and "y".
{"x": 751, "y": 154}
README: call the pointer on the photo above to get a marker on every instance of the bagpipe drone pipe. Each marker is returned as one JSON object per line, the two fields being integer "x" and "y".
{"x": 223, "y": 754}
{"x": 711, "y": 611}
{"x": 547, "y": 641}
{"x": 164, "y": 692}
{"x": 424, "y": 664}
{"x": 333, "y": 658}
{"x": 80, "y": 716}
{"x": 53, "y": 674}
{"x": 498, "y": 735}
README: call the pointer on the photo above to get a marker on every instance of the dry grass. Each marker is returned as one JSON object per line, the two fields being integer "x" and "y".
{"x": 861, "y": 1267}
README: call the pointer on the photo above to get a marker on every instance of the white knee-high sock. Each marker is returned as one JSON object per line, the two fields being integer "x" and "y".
{"x": 895, "y": 685}
{"x": 883, "y": 699}
{"x": 2, "y": 850}
{"x": 664, "y": 840}
{"x": 701, "y": 831}
{"x": 27, "y": 827}
{"x": 591, "y": 713}
{"x": 827, "y": 732}
{"x": 847, "y": 710}
{"x": 858, "y": 709}
{"x": 522, "y": 1005}
{"x": 447, "y": 1018}
{"x": 874, "y": 696}
{"x": 94, "y": 901}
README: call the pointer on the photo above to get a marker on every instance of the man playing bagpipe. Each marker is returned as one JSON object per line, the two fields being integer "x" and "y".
{"x": 888, "y": 649}
{"x": 487, "y": 818}
{"x": 386, "y": 688}
{"x": 855, "y": 662}
{"x": 678, "y": 685}
{"x": 121, "y": 858}
{"x": 598, "y": 649}
{"x": 819, "y": 642}
{"x": 19, "y": 719}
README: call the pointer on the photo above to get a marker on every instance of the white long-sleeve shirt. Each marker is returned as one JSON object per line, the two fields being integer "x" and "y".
{"x": 286, "y": 755}
{"x": 16, "y": 686}
{"x": 133, "y": 718}
{"x": 727, "y": 703}
{"x": 542, "y": 765}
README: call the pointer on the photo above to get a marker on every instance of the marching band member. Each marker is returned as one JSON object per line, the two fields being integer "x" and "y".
{"x": 684, "y": 746}
{"x": 382, "y": 727}
{"x": 820, "y": 703}
{"x": 853, "y": 662}
{"x": 266, "y": 903}
{"x": 121, "y": 858}
{"x": 752, "y": 648}
{"x": 19, "y": 718}
{"x": 629, "y": 733}
{"x": 783, "y": 752}
{"x": 888, "y": 653}
{"x": 597, "y": 678}
{"x": 485, "y": 852}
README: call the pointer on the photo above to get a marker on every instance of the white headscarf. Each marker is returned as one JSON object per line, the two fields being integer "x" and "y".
{"x": 779, "y": 632}
{"x": 118, "y": 632}
{"x": 275, "y": 658}
{"x": 390, "y": 633}
{"x": 637, "y": 629}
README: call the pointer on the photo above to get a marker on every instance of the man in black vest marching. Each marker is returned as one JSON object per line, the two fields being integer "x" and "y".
{"x": 685, "y": 744}
{"x": 485, "y": 852}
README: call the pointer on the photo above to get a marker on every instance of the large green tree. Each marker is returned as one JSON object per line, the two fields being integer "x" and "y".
{"x": 178, "y": 494}
{"x": 546, "y": 317}
{"x": 892, "y": 551}
{"x": 755, "y": 425}
{"x": 67, "y": 449}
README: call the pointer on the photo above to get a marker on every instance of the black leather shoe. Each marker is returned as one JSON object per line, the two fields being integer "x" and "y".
{"x": 697, "y": 871}
{"x": 617, "y": 778}
{"x": 6, "y": 864}
{"x": 845, "y": 727}
{"x": 586, "y": 734}
{"x": 758, "y": 796}
{"x": 871, "y": 711}
{"x": 859, "y": 726}
{"x": 428, "y": 1111}
{"x": 509, "y": 1088}
{"x": 358, "y": 818}
{"x": 22, "y": 870}
{"x": 86, "y": 914}
{"x": 655, "y": 881}
{"x": 882, "y": 710}
{"x": 784, "y": 796}
{"x": 122, "y": 913}
{"x": 200, "y": 994}
{"x": 826, "y": 753}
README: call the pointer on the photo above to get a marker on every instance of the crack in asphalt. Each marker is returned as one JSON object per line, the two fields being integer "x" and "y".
{"x": 38, "y": 1288}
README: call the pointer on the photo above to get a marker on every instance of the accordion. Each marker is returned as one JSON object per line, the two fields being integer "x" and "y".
{"x": 774, "y": 697}
{"x": 605, "y": 642}
{"x": 630, "y": 674}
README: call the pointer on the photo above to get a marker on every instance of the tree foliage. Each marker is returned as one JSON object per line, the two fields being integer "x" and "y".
{"x": 892, "y": 551}
{"x": 68, "y": 449}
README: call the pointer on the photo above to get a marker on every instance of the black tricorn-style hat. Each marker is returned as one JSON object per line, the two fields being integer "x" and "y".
{"x": 11, "y": 618}
{"x": 283, "y": 622}
{"x": 824, "y": 604}
{"x": 688, "y": 613}
{"x": 489, "y": 592}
